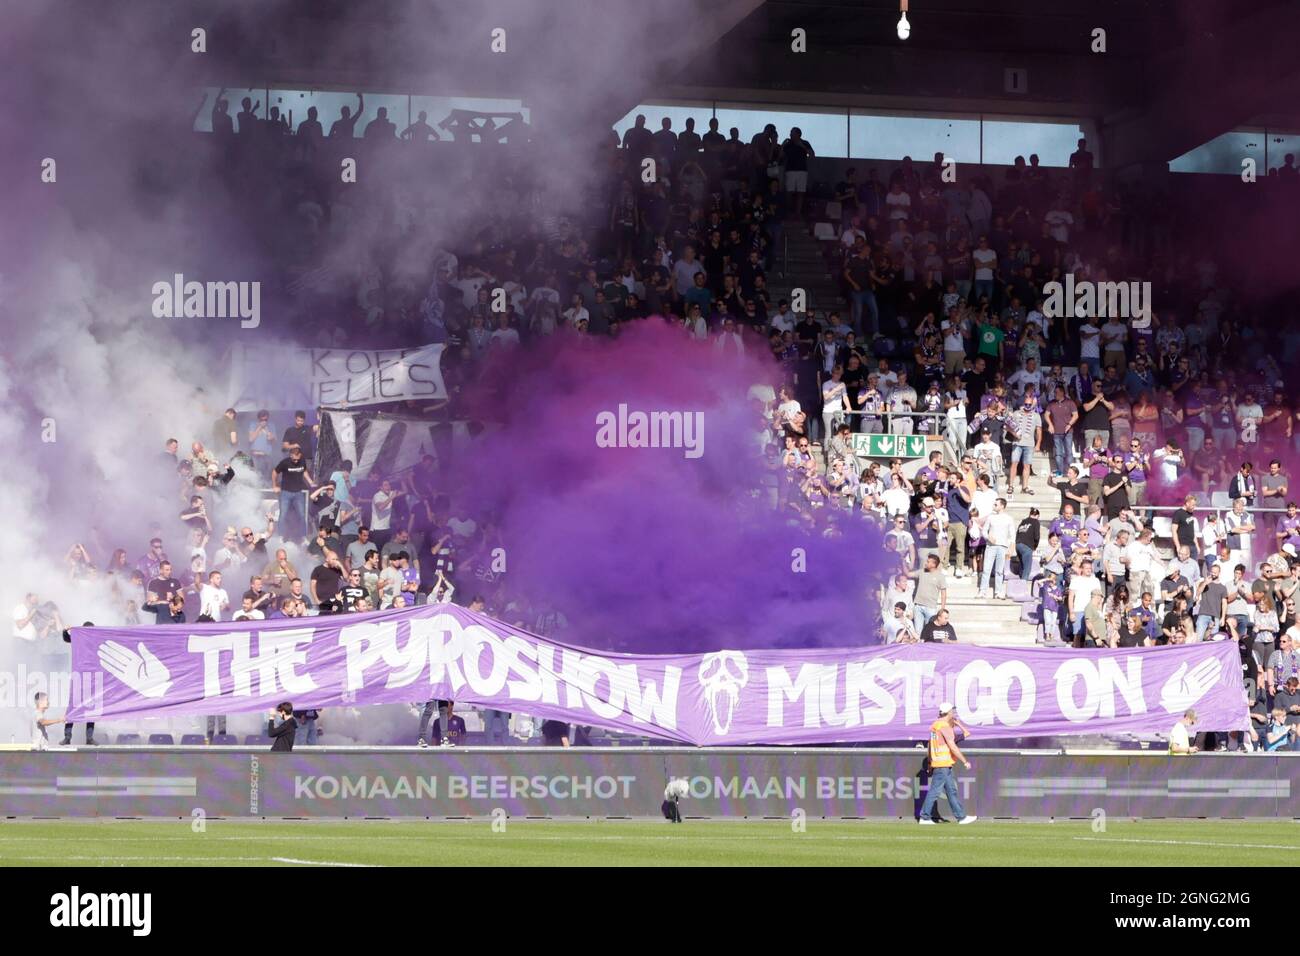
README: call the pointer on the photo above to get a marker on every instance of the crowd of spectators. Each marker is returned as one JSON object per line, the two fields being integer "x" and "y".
{"x": 944, "y": 331}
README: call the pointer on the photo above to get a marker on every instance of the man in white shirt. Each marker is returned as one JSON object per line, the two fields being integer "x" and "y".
{"x": 902, "y": 399}
{"x": 783, "y": 319}
{"x": 899, "y": 629}
{"x": 999, "y": 535}
{"x": 898, "y": 499}
{"x": 229, "y": 555}
{"x": 25, "y": 618}
{"x": 1059, "y": 220}
{"x": 1082, "y": 587}
{"x": 1179, "y": 738}
{"x": 985, "y": 497}
{"x": 504, "y": 336}
{"x": 1023, "y": 378}
{"x": 1144, "y": 565}
{"x": 213, "y": 599}
{"x": 1170, "y": 461}
{"x": 1090, "y": 347}
{"x": 898, "y": 202}
{"x": 381, "y": 514}
{"x": 1114, "y": 335}
{"x": 899, "y": 590}
{"x": 249, "y": 613}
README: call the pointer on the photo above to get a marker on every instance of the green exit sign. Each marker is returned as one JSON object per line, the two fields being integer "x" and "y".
{"x": 889, "y": 446}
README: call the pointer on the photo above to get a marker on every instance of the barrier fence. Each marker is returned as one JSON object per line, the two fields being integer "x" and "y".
{"x": 629, "y": 782}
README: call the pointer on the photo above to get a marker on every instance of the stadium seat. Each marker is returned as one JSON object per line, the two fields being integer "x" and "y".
{"x": 257, "y": 740}
{"x": 1163, "y": 527}
{"x": 128, "y": 738}
{"x": 1029, "y": 613}
{"x": 824, "y": 231}
{"x": 1018, "y": 590}
{"x": 166, "y": 740}
{"x": 193, "y": 740}
{"x": 225, "y": 740}
{"x": 834, "y": 211}
{"x": 1220, "y": 500}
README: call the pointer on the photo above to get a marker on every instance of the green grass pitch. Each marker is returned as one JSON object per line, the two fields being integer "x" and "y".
{"x": 647, "y": 843}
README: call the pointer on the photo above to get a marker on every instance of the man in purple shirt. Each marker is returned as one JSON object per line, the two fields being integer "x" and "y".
{"x": 1137, "y": 463}
{"x": 930, "y": 472}
{"x": 1288, "y": 529}
{"x": 1067, "y": 527}
{"x": 149, "y": 564}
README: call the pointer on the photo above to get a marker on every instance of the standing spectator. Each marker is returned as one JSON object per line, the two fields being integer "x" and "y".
{"x": 1186, "y": 534}
{"x": 796, "y": 151}
{"x": 1114, "y": 488}
{"x": 381, "y": 514}
{"x": 1137, "y": 465}
{"x": 292, "y": 480}
{"x": 213, "y": 599}
{"x": 1243, "y": 484}
{"x": 999, "y": 533}
{"x": 1096, "y": 419}
{"x": 1083, "y": 588}
{"x": 1027, "y": 538}
{"x": 835, "y": 402}
{"x": 225, "y": 435}
{"x": 261, "y": 444}
{"x": 1179, "y": 739}
{"x": 282, "y": 734}
{"x": 931, "y": 593}
{"x": 1115, "y": 562}
{"x": 1062, "y": 416}
{"x": 1283, "y": 664}
{"x": 1212, "y": 603}
{"x": 1239, "y": 529}
{"x": 299, "y": 434}
{"x": 1027, "y": 430}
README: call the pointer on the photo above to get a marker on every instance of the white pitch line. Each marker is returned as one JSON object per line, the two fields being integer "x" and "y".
{"x": 152, "y": 859}
{"x": 1246, "y": 846}
{"x": 285, "y": 859}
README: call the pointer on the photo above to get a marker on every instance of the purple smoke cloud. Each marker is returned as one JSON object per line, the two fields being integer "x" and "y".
{"x": 646, "y": 549}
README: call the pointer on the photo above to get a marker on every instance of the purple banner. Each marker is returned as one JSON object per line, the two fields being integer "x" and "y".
{"x": 822, "y": 695}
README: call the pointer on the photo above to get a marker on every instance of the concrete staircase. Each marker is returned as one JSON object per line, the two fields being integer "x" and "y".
{"x": 799, "y": 263}
{"x": 989, "y": 621}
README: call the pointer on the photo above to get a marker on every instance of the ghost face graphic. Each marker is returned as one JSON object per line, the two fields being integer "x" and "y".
{"x": 722, "y": 675}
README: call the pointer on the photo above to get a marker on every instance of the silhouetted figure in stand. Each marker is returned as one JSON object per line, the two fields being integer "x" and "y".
{"x": 420, "y": 131}
{"x": 310, "y": 128}
{"x": 380, "y": 128}
{"x": 222, "y": 123}
{"x": 346, "y": 124}
{"x": 248, "y": 121}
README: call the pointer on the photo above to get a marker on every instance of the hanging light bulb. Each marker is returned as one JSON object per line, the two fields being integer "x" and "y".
{"x": 904, "y": 28}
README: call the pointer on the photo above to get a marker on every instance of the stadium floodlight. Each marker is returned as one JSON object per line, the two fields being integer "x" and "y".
{"x": 904, "y": 28}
